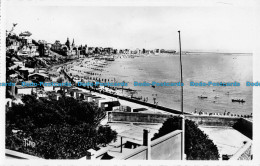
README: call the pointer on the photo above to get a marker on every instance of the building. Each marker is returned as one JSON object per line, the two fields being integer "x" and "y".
{"x": 167, "y": 147}
{"x": 126, "y": 51}
{"x": 83, "y": 50}
{"x": 44, "y": 48}
{"x": 24, "y": 90}
{"x": 108, "y": 50}
{"x": 90, "y": 50}
{"x": 66, "y": 49}
{"x": 157, "y": 51}
{"x": 110, "y": 105}
{"x": 25, "y": 36}
{"x": 167, "y": 51}
{"x": 38, "y": 77}
{"x": 14, "y": 46}
{"x": 57, "y": 46}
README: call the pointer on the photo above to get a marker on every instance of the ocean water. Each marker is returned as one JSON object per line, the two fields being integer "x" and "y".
{"x": 203, "y": 67}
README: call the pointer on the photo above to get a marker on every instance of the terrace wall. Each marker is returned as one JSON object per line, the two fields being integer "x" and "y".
{"x": 167, "y": 147}
{"x": 136, "y": 117}
{"x": 213, "y": 120}
{"x": 242, "y": 125}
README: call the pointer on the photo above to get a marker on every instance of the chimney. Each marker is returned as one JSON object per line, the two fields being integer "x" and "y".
{"x": 147, "y": 142}
{"x": 90, "y": 155}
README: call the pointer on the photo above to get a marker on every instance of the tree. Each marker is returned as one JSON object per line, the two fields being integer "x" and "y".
{"x": 197, "y": 144}
{"x": 106, "y": 135}
{"x": 60, "y": 80}
{"x": 63, "y": 129}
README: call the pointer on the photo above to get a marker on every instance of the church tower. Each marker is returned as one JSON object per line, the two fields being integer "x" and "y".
{"x": 73, "y": 44}
{"x": 68, "y": 43}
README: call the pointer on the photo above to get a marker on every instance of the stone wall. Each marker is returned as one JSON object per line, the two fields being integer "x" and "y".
{"x": 136, "y": 117}
{"x": 213, "y": 120}
{"x": 244, "y": 126}
{"x": 160, "y": 118}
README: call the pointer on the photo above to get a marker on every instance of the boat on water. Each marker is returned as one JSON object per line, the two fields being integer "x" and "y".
{"x": 238, "y": 100}
{"x": 217, "y": 96}
{"x": 202, "y": 97}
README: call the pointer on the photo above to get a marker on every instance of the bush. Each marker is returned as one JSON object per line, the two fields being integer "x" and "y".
{"x": 197, "y": 144}
{"x": 63, "y": 129}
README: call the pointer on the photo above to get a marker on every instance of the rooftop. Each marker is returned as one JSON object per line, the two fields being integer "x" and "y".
{"x": 227, "y": 139}
{"x": 40, "y": 74}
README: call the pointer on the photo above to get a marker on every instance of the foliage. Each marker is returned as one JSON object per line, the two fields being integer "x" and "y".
{"x": 33, "y": 62}
{"x": 239, "y": 126}
{"x": 106, "y": 135}
{"x": 197, "y": 144}
{"x": 10, "y": 38}
{"x": 60, "y": 80}
{"x": 63, "y": 129}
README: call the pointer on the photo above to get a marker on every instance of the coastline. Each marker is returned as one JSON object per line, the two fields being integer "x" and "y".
{"x": 124, "y": 72}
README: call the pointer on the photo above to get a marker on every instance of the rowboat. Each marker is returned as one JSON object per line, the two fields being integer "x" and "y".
{"x": 238, "y": 100}
{"x": 202, "y": 97}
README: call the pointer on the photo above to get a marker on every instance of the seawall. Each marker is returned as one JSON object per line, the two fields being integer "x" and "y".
{"x": 244, "y": 126}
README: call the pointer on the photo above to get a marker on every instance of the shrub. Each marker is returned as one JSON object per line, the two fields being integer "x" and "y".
{"x": 63, "y": 129}
{"x": 197, "y": 144}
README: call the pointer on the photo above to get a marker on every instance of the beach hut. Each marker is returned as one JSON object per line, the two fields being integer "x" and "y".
{"x": 110, "y": 105}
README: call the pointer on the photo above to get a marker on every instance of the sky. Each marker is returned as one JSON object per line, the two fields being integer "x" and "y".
{"x": 203, "y": 28}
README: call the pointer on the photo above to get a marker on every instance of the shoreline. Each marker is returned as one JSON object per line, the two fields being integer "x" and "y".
{"x": 90, "y": 75}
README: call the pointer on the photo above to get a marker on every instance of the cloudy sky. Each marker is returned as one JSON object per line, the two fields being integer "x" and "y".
{"x": 224, "y": 28}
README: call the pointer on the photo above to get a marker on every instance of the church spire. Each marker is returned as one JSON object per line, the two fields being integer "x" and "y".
{"x": 73, "y": 44}
{"x": 68, "y": 43}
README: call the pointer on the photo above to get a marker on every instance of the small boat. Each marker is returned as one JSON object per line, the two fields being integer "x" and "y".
{"x": 202, "y": 97}
{"x": 216, "y": 96}
{"x": 238, "y": 100}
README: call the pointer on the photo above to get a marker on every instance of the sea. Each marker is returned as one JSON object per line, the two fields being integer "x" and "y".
{"x": 197, "y": 67}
